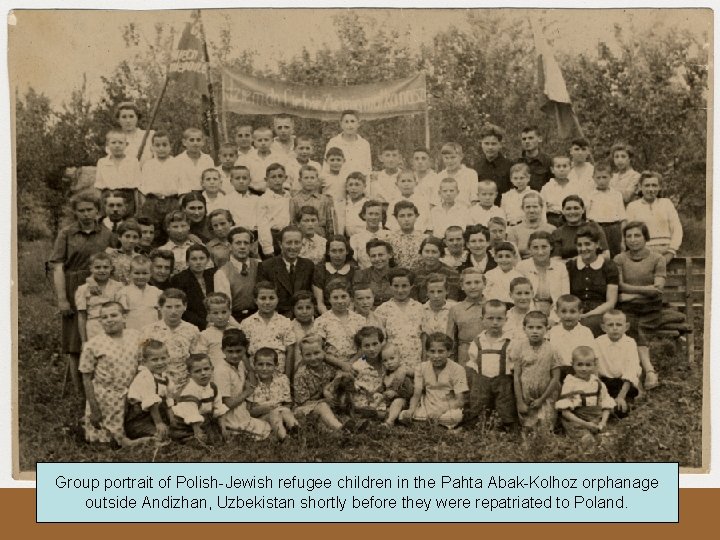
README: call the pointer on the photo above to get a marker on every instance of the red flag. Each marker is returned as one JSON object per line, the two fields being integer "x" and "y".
{"x": 188, "y": 65}
{"x": 554, "y": 95}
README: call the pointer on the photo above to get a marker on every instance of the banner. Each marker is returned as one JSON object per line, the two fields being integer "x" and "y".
{"x": 250, "y": 95}
{"x": 188, "y": 64}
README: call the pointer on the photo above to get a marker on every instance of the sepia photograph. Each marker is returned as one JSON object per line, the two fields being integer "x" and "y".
{"x": 361, "y": 235}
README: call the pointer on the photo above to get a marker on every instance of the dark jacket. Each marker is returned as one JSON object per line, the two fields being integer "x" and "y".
{"x": 186, "y": 282}
{"x": 275, "y": 271}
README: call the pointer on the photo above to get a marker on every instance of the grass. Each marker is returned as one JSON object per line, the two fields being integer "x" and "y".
{"x": 666, "y": 427}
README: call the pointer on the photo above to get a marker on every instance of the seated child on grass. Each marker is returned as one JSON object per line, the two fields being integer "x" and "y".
{"x": 440, "y": 386}
{"x": 270, "y": 399}
{"x": 398, "y": 383}
{"x": 199, "y": 404}
{"x": 532, "y": 359}
{"x": 150, "y": 396}
{"x": 303, "y": 324}
{"x": 338, "y": 325}
{"x": 584, "y": 402}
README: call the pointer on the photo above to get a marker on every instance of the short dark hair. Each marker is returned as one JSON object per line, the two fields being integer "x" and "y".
{"x": 240, "y": 230}
{"x": 339, "y": 238}
{"x": 401, "y": 272}
{"x": 475, "y": 229}
{"x": 162, "y": 254}
{"x": 167, "y": 294}
{"x": 405, "y": 205}
{"x": 439, "y": 337}
{"x": 437, "y": 242}
{"x": 234, "y": 337}
{"x": 196, "y": 247}
{"x": 491, "y": 130}
{"x": 637, "y": 225}
{"x": 367, "y": 331}
{"x": 494, "y": 303}
{"x": 263, "y": 286}
{"x": 266, "y": 352}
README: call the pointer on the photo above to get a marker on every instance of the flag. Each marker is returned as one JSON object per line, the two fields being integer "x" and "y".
{"x": 554, "y": 96}
{"x": 188, "y": 65}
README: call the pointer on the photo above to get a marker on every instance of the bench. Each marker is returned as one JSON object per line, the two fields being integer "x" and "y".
{"x": 684, "y": 291}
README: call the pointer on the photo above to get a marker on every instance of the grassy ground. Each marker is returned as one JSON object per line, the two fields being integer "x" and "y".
{"x": 666, "y": 427}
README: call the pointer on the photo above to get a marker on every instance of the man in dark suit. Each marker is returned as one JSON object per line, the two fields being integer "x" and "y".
{"x": 492, "y": 163}
{"x": 288, "y": 272}
{"x": 538, "y": 162}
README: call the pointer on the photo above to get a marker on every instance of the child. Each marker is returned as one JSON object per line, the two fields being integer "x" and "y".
{"x": 465, "y": 320}
{"x": 499, "y": 279}
{"x": 304, "y": 149}
{"x": 270, "y": 399}
{"x": 259, "y": 160}
{"x": 150, "y": 395}
{"x": 267, "y": 328}
{"x": 334, "y": 174}
{"x": 108, "y": 364}
{"x": 303, "y": 322}
{"x": 244, "y": 207}
{"x": 243, "y": 140}
{"x": 584, "y": 402}
{"x": 406, "y": 185}
{"x": 437, "y": 309}
{"x": 557, "y": 188}
{"x": 582, "y": 170}
{"x": 139, "y": 299}
{"x": 605, "y": 206}
{"x": 384, "y": 182}
{"x": 626, "y": 179}
{"x": 217, "y": 305}
{"x": 220, "y": 222}
{"x": 568, "y": 335}
{"x": 533, "y": 359}
{"x": 406, "y": 241}
{"x": 373, "y": 214}
{"x": 364, "y": 304}
{"x": 129, "y": 235}
{"x": 511, "y": 202}
{"x": 402, "y": 316}
{"x": 491, "y": 163}
{"x": 355, "y": 149}
{"x": 199, "y": 403}
{"x": 485, "y": 209}
{"x": 354, "y": 202}
{"x": 428, "y": 181}
{"x": 230, "y": 375}
{"x": 618, "y": 360}
{"x": 368, "y": 373}
{"x": 521, "y": 296}
{"x": 211, "y": 182}
{"x": 228, "y": 155}
{"x": 313, "y": 245}
{"x": 192, "y": 162}
{"x": 455, "y": 253}
{"x": 440, "y": 386}
{"x": 97, "y": 290}
{"x": 466, "y": 179}
{"x": 498, "y": 232}
{"x": 237, "y": 277}
{"x": 450, "y": 211}
{"x": 147, "y": 235}
{"x": 159, "y": 180}
{"x": 162, "y": 263}
{"x": 310, "y": 195}
{"x": 537, "y": 162}
{"x": 118, "y": 171}
{"x": 274, "y": 204}
{"x": 177, "y": 226}
{"x": 659, "y": 215}
{"x": 179, "y": 337}
{"x": 397, "y": 382}
{"x": 339, "y": 325}
{"x": 313, "y": 383}
{"x": 490, "y": 371}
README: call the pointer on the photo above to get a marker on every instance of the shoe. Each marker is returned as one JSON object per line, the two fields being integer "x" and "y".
{"x": 651, "y": 380}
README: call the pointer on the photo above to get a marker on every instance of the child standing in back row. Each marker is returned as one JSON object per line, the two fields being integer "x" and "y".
{"x": 355, "y": 149}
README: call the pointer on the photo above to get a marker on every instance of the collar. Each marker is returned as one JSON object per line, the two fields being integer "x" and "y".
{"x": 288, "y": 263}
{"x": 639, "y": 256}
{"x": 239, "y": 264}
{"x": 343, "y": 271}
{"x": 471, "y": 303}
{"x": 75, "y": 228}
{"x": 595, "y": 265}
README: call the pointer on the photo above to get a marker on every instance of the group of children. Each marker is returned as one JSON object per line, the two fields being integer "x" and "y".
{"x": 498, "y": 348}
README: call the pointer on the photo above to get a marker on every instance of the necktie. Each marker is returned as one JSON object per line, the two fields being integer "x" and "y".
{"x": 291, "y": 272}
{"x": 115, "y": 226}
{"x": 243, "y": 269}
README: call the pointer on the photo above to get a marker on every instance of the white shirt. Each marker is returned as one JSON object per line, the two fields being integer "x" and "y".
{"x": 357, "y": 154}
{"x": 583, "y": 176}
{"x": 662, "y": 221}
{"x": 280, "y": 148}
{"x": 114, "y": 173}
{"x": 467, "y": 181}
{"x": 275, "y": 209}
{"x": 553, "y": 194}
{"x": 490, "y": 364}
{"x": 191, "y": 170}
{"x": 564, "y": 342}
{"x": 384, "y": 187}
{"x": 481, "y": 216}
{"x": 159, "y": 177}
{"x": 353, "y": 223}
{"x": 258, "y": 166}
{"x": 429, "y": 186}
{"x": 557, "y": 281}
{"x": 358, "y": 242}
{"x": 618, "y": 359}
{"x": 441, "y": 218}
{"x": 604, "y": 206}
{"x": 497, "y": 283}
{"x": 217, "y": 203}
{"x": 511, "y": 203}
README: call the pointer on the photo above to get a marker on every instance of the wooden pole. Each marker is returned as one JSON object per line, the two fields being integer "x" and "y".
{"x": 153, "y": 115}
{"x": 214, "y": 130}
{"x": 427, "y": 127}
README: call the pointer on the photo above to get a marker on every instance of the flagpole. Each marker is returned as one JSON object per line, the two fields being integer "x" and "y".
{"x": 214, "y": 131}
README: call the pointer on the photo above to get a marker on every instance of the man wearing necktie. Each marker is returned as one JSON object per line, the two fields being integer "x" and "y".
{"x": 237, "y": 277}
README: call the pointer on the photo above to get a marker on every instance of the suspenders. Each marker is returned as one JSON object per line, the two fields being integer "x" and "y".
{"x": 502, "y": 352}
{"x": 585, "y": 395}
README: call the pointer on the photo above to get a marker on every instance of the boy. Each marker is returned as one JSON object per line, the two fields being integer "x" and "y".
{"x": 406, "y": 241}
{"x": 383, "y": 185}
{"x": 139, "y": 299}
{"x": 428, "y": 181}
{"x": 437, "y": 309}
{"x": 217, "y": 305}
{"x": 618, "y": 360}
{"x": 243, "y": 206}
{"x": 521, "y": 296}
{"x": 557, "y": 188}
{"x": 228, "y": 155}
{"x": 236, "y": 278}
{"x": 499, "y": 280}
{"x": 159, "y": 181}
{"x": 259, "y": 160}
{"x": 147, "y": 235}
{"x": 455, "y": 252}
{"x": 177, "y": 227}
{"x": 211, "y": 182}
{"x": 162, "y": 263}
{"x": 440, "y": 386}
{"x": 605, "y": 206}
{"x": 497, "y": 227}
{"x": 406, "y": 185}
{"x": 274, "y": 204}
{"x": 538, "y": 163}
{"x": 485, "y": 209}
{"x": 334, "y": 173}
{"x": 192, "y": 162}
{"x": 304, "y": 149}
{"x": 243, "y": 140}
{"x": 626, "y": 179}
{"x": 179, "y": 337}
{"x": 450, "y": 212}
{"x": 568, "y": 335}
{"x": 492, "y": 163}
{"x": 466, "y": 179}
{"x": 511, "y": 202}
{"x": 117, "y": 171}
{"x": 465, "y": 320}
{"x": 271, "y": 398}
{"x": 489, "y": 371}
{"x": 352, "y": 204}
{"x": 355, "y": 149}
{"x": 284, "y": 142}
{"x": 313, "y": 245}
{"x": 310, "y": 195}
{"x": 582, "y": 170}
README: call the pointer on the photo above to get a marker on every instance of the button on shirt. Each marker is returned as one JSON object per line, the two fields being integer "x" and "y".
{"x": 489, "y": 366}
{"x": 190, "y": 171}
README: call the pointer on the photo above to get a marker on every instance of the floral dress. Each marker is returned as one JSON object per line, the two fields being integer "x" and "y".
{"x": 368, "y": 386}
{"x": 113, "y": 362}
{"x": 90, "y": 297}
{"x": 406, "y": 247}
{"x": 180, "y": 342}
{"x": 276, "y": 392}
{"x": 340, "y": 333}
{"x": 535, "y": 364}
{"x": 402, "y": 323}
{"x": 276, "y": 333}
{"x": 121, "y": 264}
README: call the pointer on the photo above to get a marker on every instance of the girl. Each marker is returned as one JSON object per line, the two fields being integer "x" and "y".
{"x": 659, "y": 215}
{"x": 339, "y": 325}
{"x": 406, "y": 241}
{"x": 129, "y": 235}
{"x": 354, "y": 202}
{"x": 338, "y": 264}
{"x": 138, "y": 298}
{"x": 477, "y": 241}
{"x": 194, "y": 205}
{"x": 625, "y": 180}
{"x": 381, "y": 256}
{"x": 431, "y": 250}
{"x": 564, "y": 237}
{"x": 108, "y": 364}
{"x": 549, "y": 277}
{"x": 373, "y": 214}
{"x": 96, "y": 291}
{"x": 220, "y": 222}
{"x": 149, "y": 398}
{"x": 402, "y": 317}
{"x": 582, "y": 169}
{"x": 196, "y": 281}
{"x": 304, "y": 321}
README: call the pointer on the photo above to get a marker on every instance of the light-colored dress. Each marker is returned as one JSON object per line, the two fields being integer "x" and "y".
{"x": 535, "y": 364}
{"x": 276, "y": 333}
{"x": 368, "y": 386}
{"x": 179, "y": 342}
{"x": 276, "y": 392}
{"x": 402, "y": 323}
{"x": 89, "y": 297}
{"x": 340, "y": 332}
{"x": 141, "y": 305}
{"x": 230, "y": 382}
{"x": 438, "y": 388}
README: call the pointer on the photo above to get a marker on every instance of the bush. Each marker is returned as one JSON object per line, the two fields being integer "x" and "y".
{"x": 33, "y": 217}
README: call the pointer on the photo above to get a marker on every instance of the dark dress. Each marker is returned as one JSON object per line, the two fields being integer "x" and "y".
{"x": 195, "y": 313}
{"x": 590, "y": 286}
{"x": 563, "y": 239}
{"x": 422, "y": 272}
{"x": 73, "y": 248}
{"x": 325, "y": 272}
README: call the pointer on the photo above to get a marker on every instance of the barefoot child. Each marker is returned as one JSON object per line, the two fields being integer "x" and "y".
{"x": 270, "y": 399}
{"x": 398, "y": 384}
{"x": 97, "y": 290}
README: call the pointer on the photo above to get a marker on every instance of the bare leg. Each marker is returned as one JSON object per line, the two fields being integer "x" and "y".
{"x": 327, "y": 417}
{"x": 396, "y": 407}
{"x": 651, "y": 378}
{"x": 288, "y": 418}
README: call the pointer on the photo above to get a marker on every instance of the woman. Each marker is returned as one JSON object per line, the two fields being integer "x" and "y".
{"x": 477, "y": 242}
{"x": 197, "y": 281}
{"x": 380, "y": 254}
{"x": 220, "y": 222}
{"x": 431, "y": 250}
{"x": 642, "y": 275}
{"x": 549, "y": 277}
{"x": 196, "y": 209}
{"x": 70, "y": 260}
{"x": 593, "y": 279}
{"x": 532, "y": 206}
{"x": 127, "y": 116}
{"x": 563, "y": 242}
{"x": 338, "y": 263}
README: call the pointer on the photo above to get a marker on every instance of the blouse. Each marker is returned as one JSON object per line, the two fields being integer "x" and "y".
{"x": 589, "y": 281}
